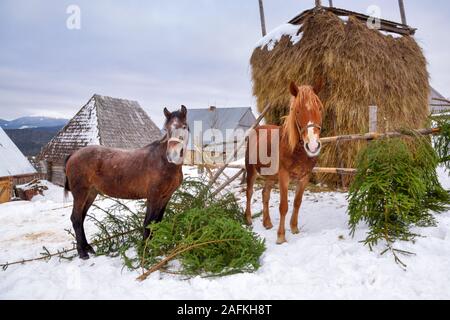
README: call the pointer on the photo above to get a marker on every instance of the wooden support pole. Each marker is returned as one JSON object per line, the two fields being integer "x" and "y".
{"x": 374, "y": 136}
{"x": 318, "y": 3}
{"x": 442, "y": 100}
{"x": 226, "y": 183}
{"x": 340, "y": 171}
{"x": 241, "y": 144}
{"x": 344, "y": 171}
{"x": 373, "y": 110}
{"x": 263, "y": 18}
{"x": 331, "y": 3}
{"x": 402, "y": 12}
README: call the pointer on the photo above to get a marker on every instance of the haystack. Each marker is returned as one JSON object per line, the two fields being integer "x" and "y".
{"x": 360, "y": 67}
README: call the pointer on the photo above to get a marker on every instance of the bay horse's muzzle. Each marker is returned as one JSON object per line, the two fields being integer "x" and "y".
{"x": 175, "y": 150}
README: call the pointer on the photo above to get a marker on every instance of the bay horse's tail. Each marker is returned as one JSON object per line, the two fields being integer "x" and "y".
{"x": 66, "y": 181}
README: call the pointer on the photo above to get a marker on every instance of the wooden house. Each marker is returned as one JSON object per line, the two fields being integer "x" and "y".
{"x": 105, "y": 121}
{"x": 226, "y": 121}
{"x": 14, "y": 167}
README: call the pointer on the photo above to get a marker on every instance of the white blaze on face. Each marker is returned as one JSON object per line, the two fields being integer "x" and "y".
{"x": 312, "y": 145}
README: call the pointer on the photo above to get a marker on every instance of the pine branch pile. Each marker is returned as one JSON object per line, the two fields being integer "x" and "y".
{"x": 205, "y": 235}
{"x": 442, "y": 141}
{"x": 395, "y": 189}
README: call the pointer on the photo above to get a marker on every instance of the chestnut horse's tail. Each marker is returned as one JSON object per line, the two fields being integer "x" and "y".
{"x": 66, "y": 181}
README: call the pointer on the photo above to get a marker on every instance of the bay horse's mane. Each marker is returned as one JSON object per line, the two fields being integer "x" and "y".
{"x": 306, "y": 105}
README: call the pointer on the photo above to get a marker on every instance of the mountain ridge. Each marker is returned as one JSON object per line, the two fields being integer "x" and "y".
{"x": 33, "y": 122}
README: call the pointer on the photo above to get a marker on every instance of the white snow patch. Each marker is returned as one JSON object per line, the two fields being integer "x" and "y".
{"x": 323, "y": 262}
{"x": 92, "y": 135}
{"x": 273, "y": 37}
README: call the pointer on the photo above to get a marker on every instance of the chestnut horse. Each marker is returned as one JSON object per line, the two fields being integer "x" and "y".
{"x": 297, "y": 152}
{"x": 153, "y": 172}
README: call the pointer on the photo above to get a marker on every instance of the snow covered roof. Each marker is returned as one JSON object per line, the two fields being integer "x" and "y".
{"x": 273, "y": 37}
{"x": 12, "y": 161}
{"x": 106, "y": 121}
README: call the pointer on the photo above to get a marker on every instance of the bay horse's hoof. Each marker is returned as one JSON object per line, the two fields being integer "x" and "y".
{"x": 84, "y": 256}
{"x": 89, "y": 249}
{"x": 281, "y": 240}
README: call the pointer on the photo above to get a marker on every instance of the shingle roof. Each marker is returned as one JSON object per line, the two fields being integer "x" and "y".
{"x": 12, "y": 161}
{"x": 106, "y": 121}
{"x": 437, "y": 105}
{"x": 222, "y": 119}
{"x": 217, "y": 118}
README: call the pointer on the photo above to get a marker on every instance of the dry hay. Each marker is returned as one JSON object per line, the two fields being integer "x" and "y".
{"x": 360, "y": 67}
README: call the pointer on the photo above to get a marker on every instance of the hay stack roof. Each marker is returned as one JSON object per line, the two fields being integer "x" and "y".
{"x": 360, "y": 67}
{"x": 12, "y": 161}
{"x": 106, "y": 121}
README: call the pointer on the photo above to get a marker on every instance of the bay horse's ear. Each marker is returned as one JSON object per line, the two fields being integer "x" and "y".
{"x": 183, "y": 110}
{"x": 318, "y": 85}
{"x": 167, "y": 113}
{"x": 293, "y": 88}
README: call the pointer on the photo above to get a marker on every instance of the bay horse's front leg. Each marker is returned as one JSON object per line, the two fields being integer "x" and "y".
{"x": 154, "y": 213}
{"x": 284, "y": 188}
{"x": 301, "y": 185}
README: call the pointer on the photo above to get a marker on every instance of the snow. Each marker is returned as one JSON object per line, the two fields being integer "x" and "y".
{"x": 12, "y": 161}
{"x": 273, "y": 37}
{"x": 92, "y": 135}
{"x": 323, "y": 262}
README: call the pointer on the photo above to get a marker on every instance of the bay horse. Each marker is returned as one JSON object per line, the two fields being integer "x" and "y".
{"x": 153, "y": 172}
{"x": 298, "y": 149}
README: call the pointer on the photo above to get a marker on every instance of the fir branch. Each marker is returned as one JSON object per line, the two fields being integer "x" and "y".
{"x": 177, "y": 252}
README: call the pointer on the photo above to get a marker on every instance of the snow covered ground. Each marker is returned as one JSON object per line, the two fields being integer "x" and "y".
{"x": 323, "y": 262}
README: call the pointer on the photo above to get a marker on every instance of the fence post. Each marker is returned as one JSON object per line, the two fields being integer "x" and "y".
{"x": 373, "y": 110}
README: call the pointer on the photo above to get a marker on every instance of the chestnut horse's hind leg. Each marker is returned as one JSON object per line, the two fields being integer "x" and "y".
{"x": 266, "y": 198}
{"x": 284, "y": 184}
{"x": 251, "y": 177}
{"x": 301, "y": 185}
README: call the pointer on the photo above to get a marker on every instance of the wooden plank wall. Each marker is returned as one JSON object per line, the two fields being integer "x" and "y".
{"x": 5, "y": 189}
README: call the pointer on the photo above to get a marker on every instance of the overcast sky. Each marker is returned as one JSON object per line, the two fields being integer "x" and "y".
{"x": 162, "y": 53}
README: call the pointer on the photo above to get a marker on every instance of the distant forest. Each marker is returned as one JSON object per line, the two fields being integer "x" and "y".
{"x": 30, "y": 141}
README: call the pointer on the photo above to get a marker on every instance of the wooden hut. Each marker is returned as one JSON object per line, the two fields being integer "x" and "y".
{"x": 14, "y": 167}
{"x": 438, "y": 103}
{"x": 105, "y": 121}
{"x": 360, "y": 66}
{"x": 227, "y": 121}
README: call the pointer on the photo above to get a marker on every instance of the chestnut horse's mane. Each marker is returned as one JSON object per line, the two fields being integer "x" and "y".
{"x": 307, "y": 107}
